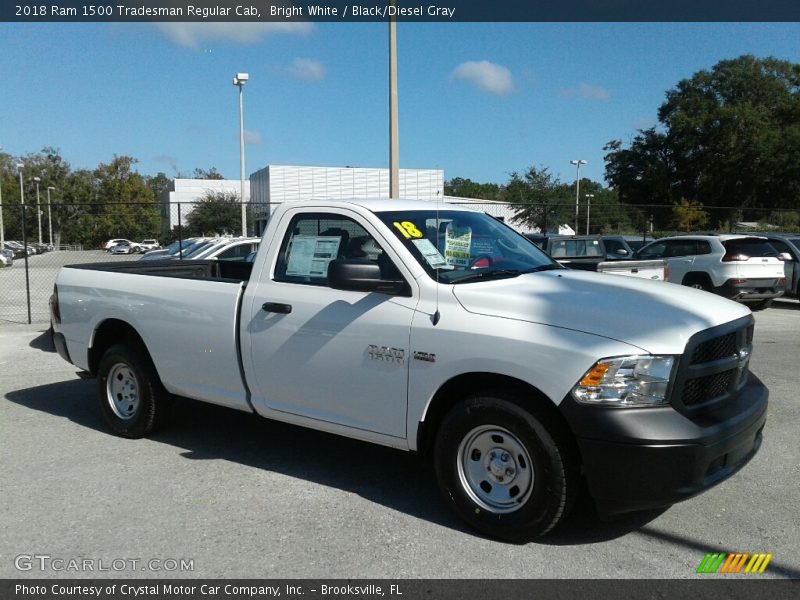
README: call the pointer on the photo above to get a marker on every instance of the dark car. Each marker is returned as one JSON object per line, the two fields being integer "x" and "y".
{"x": 637, "y": 242}
{"x": 581, "y": 252}
{"x": 617, "y": 247}
{"x": 17, "y": 249}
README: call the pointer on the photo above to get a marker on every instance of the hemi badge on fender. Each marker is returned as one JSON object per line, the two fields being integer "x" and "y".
{"x": 427, "y": 357}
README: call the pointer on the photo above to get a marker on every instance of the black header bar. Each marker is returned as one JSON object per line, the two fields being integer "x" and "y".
{"x": 402, "y": 10}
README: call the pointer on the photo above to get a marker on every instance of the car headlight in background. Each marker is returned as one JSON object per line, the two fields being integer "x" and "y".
{"x": 626, "y": 381}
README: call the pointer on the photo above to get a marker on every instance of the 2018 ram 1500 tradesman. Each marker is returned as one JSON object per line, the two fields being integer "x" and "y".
{"x": 442, "y": 331}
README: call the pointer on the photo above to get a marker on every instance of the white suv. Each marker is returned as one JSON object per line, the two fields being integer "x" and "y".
{"x": 740, "y": 267}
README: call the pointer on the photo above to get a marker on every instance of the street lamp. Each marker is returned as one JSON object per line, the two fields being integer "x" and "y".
{"x": 49, "y": 218}
{"x": 24, "y": 239}
{"x": 588, "y": 208}
{"x": 577, "y": 163}
{"x": 394, "y": 132}
{"x": 38, "y": 209}
{"x": 239, "y": 81}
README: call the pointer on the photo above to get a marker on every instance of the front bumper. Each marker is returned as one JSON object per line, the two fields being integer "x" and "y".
{"x": 645, "y": 458}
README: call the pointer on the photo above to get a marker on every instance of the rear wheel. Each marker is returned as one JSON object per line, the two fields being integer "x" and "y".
{"x": 132, "y": 399}
{"x": 505, "y": 471}
{"x": 761, "y": 305}
{"x": 698, "y": 282}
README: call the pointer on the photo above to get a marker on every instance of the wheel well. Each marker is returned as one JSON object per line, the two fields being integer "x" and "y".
{"x": 110, "y": 332}
{"x": 697, "y": 276}
{"x": 457, "y": 388}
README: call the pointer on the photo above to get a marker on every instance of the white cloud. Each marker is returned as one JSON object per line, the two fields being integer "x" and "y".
{"x": 252, "y": 137}
{"x": 307, "y": 69}
{"x": 191, "y": 35}
{"x": 586, "y": 91}
{"x": 489, "y": 77}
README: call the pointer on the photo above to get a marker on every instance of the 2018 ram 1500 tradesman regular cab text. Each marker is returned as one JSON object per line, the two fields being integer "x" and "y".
{"x": 437, "y": 330}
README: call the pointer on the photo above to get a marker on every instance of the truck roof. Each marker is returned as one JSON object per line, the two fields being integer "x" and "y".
{"x": 384, "y": 204}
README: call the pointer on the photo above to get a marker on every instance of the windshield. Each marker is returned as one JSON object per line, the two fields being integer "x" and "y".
{"x": 460, "y": 246}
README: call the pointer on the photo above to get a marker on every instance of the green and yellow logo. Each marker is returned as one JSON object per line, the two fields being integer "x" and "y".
{"x": 721, "y": 562}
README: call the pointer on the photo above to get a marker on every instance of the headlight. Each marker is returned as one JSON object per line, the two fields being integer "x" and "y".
{"x": 626, "y": 381}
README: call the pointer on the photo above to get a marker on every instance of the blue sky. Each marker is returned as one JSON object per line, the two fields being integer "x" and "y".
{"x": 478, "y": 100}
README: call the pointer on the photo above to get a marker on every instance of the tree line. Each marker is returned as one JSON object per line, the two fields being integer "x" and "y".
{"x": 88, "y": 206}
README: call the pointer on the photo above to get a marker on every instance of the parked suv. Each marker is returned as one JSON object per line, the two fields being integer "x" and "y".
{"x": 740, "y": 267}
{"x": 149, "y": 244}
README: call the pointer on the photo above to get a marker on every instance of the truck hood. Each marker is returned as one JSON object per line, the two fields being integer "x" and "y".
{"x": 655, "y": 316}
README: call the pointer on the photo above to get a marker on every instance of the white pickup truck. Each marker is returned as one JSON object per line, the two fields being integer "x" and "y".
{"x": 653, "y": 270}
{"x": 438, "y": 330}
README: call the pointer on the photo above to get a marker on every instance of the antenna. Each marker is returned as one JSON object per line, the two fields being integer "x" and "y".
{"x": 437, "y": 315}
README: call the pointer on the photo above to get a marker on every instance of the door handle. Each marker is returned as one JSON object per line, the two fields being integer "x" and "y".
{"x": 276, "y": 307}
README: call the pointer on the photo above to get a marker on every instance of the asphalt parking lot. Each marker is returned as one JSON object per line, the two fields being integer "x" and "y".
{"x": 244, "y": 497}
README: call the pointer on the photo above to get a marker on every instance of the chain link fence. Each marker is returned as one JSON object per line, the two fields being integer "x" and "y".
{"x": 64, "y": 234}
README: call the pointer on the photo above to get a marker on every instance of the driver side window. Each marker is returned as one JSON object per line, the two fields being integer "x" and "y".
{"x": 313, "y": 240}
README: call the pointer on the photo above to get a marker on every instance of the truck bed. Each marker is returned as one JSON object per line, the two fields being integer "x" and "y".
{"x": 233, "y": 271}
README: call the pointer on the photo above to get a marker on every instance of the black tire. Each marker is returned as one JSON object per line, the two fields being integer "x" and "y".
{"x": 698, "y": 282}
{"x": 541, "y": 459}
{"x": 135, "y": 403}
{"x": 761, "y": 305}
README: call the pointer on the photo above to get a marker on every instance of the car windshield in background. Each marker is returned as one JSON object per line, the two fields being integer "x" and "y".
{"x": 460, "y": 246}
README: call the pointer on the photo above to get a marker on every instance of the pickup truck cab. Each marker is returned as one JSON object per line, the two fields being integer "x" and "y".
{"x": 439, "y": 330}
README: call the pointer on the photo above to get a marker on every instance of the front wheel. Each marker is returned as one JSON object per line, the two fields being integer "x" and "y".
{"x": 132, "y": 399}
{"x": 507, "y": 472}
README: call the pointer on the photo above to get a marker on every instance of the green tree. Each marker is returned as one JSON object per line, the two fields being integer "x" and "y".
{"x": 217, "y": 212}
{"x": 466, "y": 188}
{"x": 729, "y": 136}
{"x": 126, "y": 204}
{"x": 211, "y": 173}
{"x": 688, "y": 216}
{"x": 539, "y": 198}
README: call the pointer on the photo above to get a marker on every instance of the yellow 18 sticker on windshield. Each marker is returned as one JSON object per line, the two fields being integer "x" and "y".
{"x": 408, "y": 229}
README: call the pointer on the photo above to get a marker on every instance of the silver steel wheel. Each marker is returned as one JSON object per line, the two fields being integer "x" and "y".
{"x": 122, "y": 391}
{"x": 697, "y": 286}
{"x": 495, "y": 469}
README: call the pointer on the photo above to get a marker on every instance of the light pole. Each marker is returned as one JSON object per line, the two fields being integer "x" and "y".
{"x": 24, "y": 239}
{"x": 394, "y": 132}
{"x": 239, "y": 81}
{"x": 49, "y": 218}
{"x": 588, "y": 208}
{"x": 38, "y": 208}
{"x": 577, "y": 163}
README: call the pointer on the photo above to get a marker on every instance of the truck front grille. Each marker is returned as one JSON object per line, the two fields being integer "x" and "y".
{"x": 700, "y": 389}
{"x": 714, "y": 366}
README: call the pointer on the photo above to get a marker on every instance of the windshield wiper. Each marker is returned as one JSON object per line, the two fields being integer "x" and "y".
{"x": 541, "y": 268}
{"x": 486, "y": 275}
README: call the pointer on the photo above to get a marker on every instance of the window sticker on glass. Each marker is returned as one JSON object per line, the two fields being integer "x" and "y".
{"x": 309, "y": 255}
{"x": 431, "y": 255}
{"x": 457, "y": 243}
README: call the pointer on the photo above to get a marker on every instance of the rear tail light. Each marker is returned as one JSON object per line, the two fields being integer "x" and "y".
{"x": 666, "y": 271}
{"x": 56, "y": 310}
{"x": 782, "y": 282}
{"x": 738, "y": 281}
{"x": 734, "y": 256}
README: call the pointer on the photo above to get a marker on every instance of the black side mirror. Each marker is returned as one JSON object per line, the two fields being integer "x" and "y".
{"x": 362, "y": 275}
